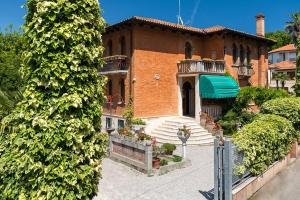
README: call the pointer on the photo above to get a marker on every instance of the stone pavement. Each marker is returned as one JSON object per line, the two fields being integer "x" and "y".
{"x": 284, "y": 186}
{"x": 192, "y": 183}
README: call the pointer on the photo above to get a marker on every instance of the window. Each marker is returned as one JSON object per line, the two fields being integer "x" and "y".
{"x": 121, "y": 123}
{"x": 122, "y": 90}
{"x": 281, "y": 57}
{"x": 292, "y": 56}
{"x": 248, "y": 56}
{"x": 122, "y": 46}
{"x": 110, "y": 88}
{"x": 188, "y": 50}
{"x": 234, "y": 54}
{"x": 108, "y": 122}
{"x": 242, "y": 55}
{"x": 109, "y": 48}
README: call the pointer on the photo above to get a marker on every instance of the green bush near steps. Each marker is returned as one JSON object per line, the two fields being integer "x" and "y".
{"x": 163, "y": 162}
{"x": 168, "y": 148}
{"x": 266, "y": 140}
{"x": 177, "y": 158}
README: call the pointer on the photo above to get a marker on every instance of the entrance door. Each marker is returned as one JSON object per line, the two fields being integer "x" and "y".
{"x": 186, "y": 100}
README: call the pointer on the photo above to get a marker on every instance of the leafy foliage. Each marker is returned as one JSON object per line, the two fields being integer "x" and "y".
{"x": 128, "y": 113}
{"x": 168, "y": 148}
{"x": 282, "y": 38}
{"x": 51, "y": 146}
{"x": 258, "y": 95}
{"x": 12, "y": 45}
{"x": 177, "y": 158}
{"x": 285, "y": 107}
{"x": 264, "y": 141}
{"x": 293, "y": 28}
{"x": 138, "y": 121}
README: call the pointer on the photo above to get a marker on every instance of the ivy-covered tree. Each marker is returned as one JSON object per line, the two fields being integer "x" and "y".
{"x": 293, "y": 28}
{"x": 12, "y": 46}
{"x": 50, "y": 145}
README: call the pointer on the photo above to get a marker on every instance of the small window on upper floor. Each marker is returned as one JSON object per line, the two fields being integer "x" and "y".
{"x": 234, "y": 54}
{"x": 188, "y": 50}
{"x": 242, "y": 55}
{"x": 248, "y": 56}
{"x": 110, "y": 87}
{"x": 122, "y": 45}
{"x": 109, "y": 49}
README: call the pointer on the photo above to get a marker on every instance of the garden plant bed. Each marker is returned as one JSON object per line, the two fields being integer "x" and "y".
{"x": 171, "y": 166}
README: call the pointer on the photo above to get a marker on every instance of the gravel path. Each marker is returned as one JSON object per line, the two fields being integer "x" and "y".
{"x": 123, "y": 183}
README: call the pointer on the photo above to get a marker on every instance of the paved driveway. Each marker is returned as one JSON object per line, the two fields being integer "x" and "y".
{"x": 284, "y": 186}
{"x": 123, "y": 183}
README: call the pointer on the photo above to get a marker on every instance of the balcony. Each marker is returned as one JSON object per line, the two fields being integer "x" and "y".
{"x": 245, "y": 70}
{"x": 115, "y": 65}
{"x": 201, "y": 66}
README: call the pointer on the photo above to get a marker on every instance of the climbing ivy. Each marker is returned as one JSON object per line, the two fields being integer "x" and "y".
{"x": 51, "y": 146}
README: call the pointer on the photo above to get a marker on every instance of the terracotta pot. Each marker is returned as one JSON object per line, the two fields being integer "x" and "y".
{"x": 156, "y": 163}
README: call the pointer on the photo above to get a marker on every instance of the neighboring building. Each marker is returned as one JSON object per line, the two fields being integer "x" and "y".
{"x": 283, "y": 60}
{"x": 175, "y": 70}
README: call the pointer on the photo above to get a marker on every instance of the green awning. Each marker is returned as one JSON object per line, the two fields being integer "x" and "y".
{"x": 218, "y": 87}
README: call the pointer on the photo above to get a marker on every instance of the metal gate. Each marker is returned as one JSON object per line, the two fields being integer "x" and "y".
{"x": 222, "y": 169}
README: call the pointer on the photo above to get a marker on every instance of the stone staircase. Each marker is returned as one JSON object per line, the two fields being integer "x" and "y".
{"x": 167, "y": 132}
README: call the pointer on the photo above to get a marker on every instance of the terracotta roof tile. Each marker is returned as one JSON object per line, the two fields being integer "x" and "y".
{"x": 175, "y": 26}
{"x": 289, "y": 47}
{"x": 284, "y": 65}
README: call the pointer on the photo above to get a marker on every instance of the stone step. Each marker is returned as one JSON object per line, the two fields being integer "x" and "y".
{"x": 202, "y": 142}
{"x": 175, "y": 129}
{"x": 174, "y": 134}
{"x": 164, "y": 137}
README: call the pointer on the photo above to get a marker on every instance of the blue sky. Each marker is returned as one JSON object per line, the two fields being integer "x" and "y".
{"x": 237, "y": 14}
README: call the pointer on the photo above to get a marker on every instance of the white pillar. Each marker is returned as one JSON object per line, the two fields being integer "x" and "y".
{"x": 180, "y": 112}
{"x": 197, "y": 99}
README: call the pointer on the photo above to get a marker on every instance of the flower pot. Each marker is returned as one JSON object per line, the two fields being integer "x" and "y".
{"x": 202, "y": 121}
{"x": 156, "y": 163}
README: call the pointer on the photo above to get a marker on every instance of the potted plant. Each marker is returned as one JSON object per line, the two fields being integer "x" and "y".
{"x": 155, "y": 158}
{"x": 138, "y": 124}
{"x": 203, "y": 117}
{"x": 216, "y": 129}
{"x": 168, "y": 148}
{"x": 209, "y": 124}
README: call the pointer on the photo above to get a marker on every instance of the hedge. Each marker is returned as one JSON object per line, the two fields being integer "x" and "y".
{"x": 266, "y": 140}
{"x": 285, "y": 107}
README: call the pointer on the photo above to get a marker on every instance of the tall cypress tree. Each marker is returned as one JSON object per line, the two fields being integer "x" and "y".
{"x": 51, "y": 146}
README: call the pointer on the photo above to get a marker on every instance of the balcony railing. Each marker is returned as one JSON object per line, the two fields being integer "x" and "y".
{"x": 201, "y": 66}
{"x": 115, "y": 64}
{"x": 245, "y": 70}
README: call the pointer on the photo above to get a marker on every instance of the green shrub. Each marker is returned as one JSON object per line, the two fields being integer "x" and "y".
{"x": 267, "y": 139}
{"x": 128, "y": 113}
{"x": 177, "y": 158}
{"x": 285, "y": 107}
{"x": 168, "y": 148}
{"x": 163, "y": 162}
{"x": 55, "y": 148}
{"x": 138, "y": 121}
{"x": 258, "y": 95}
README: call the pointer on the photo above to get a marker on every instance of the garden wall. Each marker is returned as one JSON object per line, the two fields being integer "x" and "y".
{"x": 133, "y": 153}
{"x": 245, "y": 190}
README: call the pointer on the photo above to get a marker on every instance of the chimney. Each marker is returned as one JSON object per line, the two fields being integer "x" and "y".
{"x": 260, "y": 25}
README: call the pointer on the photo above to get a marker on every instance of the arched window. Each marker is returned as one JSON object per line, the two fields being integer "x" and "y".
{"x": 242, "y": 55}
{"x": 188, "y": 50}
{"x": 248, "y": 56}
{"x": 110, "y": 85}
{"x": 122, "y": 90}
{"x": 122, "y": 44}
{"x": 109, "y": 49}
{"x": 234, "y": 54}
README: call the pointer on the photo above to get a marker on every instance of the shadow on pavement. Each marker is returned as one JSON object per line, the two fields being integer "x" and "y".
{"x": 209, "y": 195}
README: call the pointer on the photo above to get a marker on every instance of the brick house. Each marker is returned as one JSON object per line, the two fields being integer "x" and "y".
{"x": 161, "y": 66}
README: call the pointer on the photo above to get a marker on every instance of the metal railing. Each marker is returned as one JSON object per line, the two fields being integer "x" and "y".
{"x": 245, "y": 70}
{"x": 118, "y": 63}
{"x": 201, "y": 66}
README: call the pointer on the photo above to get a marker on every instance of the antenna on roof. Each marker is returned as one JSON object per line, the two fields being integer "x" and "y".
{"x": 180, "y": 21}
